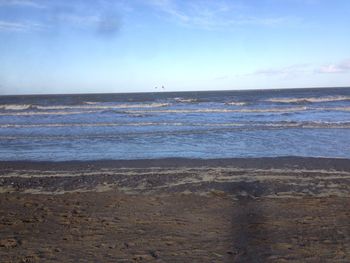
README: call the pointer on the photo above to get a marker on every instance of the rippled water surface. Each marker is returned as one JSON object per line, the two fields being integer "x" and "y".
{"x": 303, "y": 122}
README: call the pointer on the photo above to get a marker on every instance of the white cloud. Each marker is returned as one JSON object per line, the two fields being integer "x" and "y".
{"x": 102, "y": 17}
{"x": 300, "y": 69}
{"x": 11, "y": 26}
{"x": 341, "y": 67}
{"x": 214, "y": 14}
{"x": 21, "y": 3}
{"x": 284, "y": 71}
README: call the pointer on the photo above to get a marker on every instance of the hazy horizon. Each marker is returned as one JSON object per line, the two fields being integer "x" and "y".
{"x": 77, "y": 47}
{"x": 175, "y": 91}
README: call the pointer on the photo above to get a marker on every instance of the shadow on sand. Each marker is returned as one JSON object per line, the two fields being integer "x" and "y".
{"x": 249, "y": 232}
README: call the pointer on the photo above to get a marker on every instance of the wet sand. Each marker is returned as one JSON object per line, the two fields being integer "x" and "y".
{"x": 176, "y": 210}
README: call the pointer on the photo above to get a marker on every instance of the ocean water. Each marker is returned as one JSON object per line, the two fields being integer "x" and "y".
{"x": 220, "y": 124}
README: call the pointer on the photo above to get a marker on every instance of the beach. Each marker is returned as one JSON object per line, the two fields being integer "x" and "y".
{"x": 174, "y": 131}
{"x": 287, "y": 209}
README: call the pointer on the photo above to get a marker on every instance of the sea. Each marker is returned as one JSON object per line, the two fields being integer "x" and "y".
{"x": 208, "y": 124}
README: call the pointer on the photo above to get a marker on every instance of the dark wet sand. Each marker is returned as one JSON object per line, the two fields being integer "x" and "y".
{"x": 176, "y": 210}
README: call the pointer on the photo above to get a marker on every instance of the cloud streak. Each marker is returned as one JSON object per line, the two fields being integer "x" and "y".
{"x": 298, "y": 69}
{"x": 100, "y": 17}
{"x": 105, "y": 17}
{"x": 214, "y": 14}
{"x": 341, "y": 67}
{"x": 22, "y": 3}
{"x": 10, "y": 26}
{"x": 283, "y": 71}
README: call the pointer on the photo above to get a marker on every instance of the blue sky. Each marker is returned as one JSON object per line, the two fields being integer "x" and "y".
{"x": 82, "y": 46}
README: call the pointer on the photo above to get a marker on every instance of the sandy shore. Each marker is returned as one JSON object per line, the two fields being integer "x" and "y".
{"x": 176, "y": 210}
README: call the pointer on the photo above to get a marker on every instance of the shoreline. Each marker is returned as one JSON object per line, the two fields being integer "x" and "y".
{"x": 337, "y": 164}
{"x": 281, "y": 177}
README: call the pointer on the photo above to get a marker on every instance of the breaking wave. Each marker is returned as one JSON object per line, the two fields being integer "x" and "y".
{"x": 236, "y": 103}
{"x": 272, "y": 110}
{"x": 16, "y": 107}
{"x": 310, "y": 99}
{"x": 183, "y": 100}
{"x": 48, "y": 125}
{"x": 87, "y": 106}
{"x": 90, "y": 102}
{"x": 103, "y": 107}
{"x": 282, "y": 124}
{"x": 137, "y": 112}
{"x": 32, "y": 113}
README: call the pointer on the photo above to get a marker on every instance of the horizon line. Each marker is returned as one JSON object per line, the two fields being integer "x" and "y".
{"x": 179, "y": 91}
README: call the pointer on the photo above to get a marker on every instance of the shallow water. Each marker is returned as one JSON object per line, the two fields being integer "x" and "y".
{"x": 301, "y": 122}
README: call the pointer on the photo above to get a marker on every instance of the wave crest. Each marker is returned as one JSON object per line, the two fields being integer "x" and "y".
{"x": 87, "y": 106}
{"x": 16, "y": 107}
{"x": 183, "y": 100}
{"x": 236, "y": 103}
{"x": 309, "y": 99}
{"x": 141, "y": 113}
{"x": 257, "y": 125}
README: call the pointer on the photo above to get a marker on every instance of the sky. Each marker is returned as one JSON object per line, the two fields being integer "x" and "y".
{"x": 97, "y": 46}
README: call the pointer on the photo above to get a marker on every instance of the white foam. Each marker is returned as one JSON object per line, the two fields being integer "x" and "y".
{"x": 87, "y": 110}
{"x": 309, "y": 99}
{"x": 236, "y": 103}
{"x": 15, "y": 106}
{"x": 87, "y": 125}
{"x": 30, "y": 113}
{"x": 294, "y": 109}
{"x": 292, "y": 124}
{"x": 183, "y": 100}
{"x": 87, "y": 106}
{"x": 103, "y": 107}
